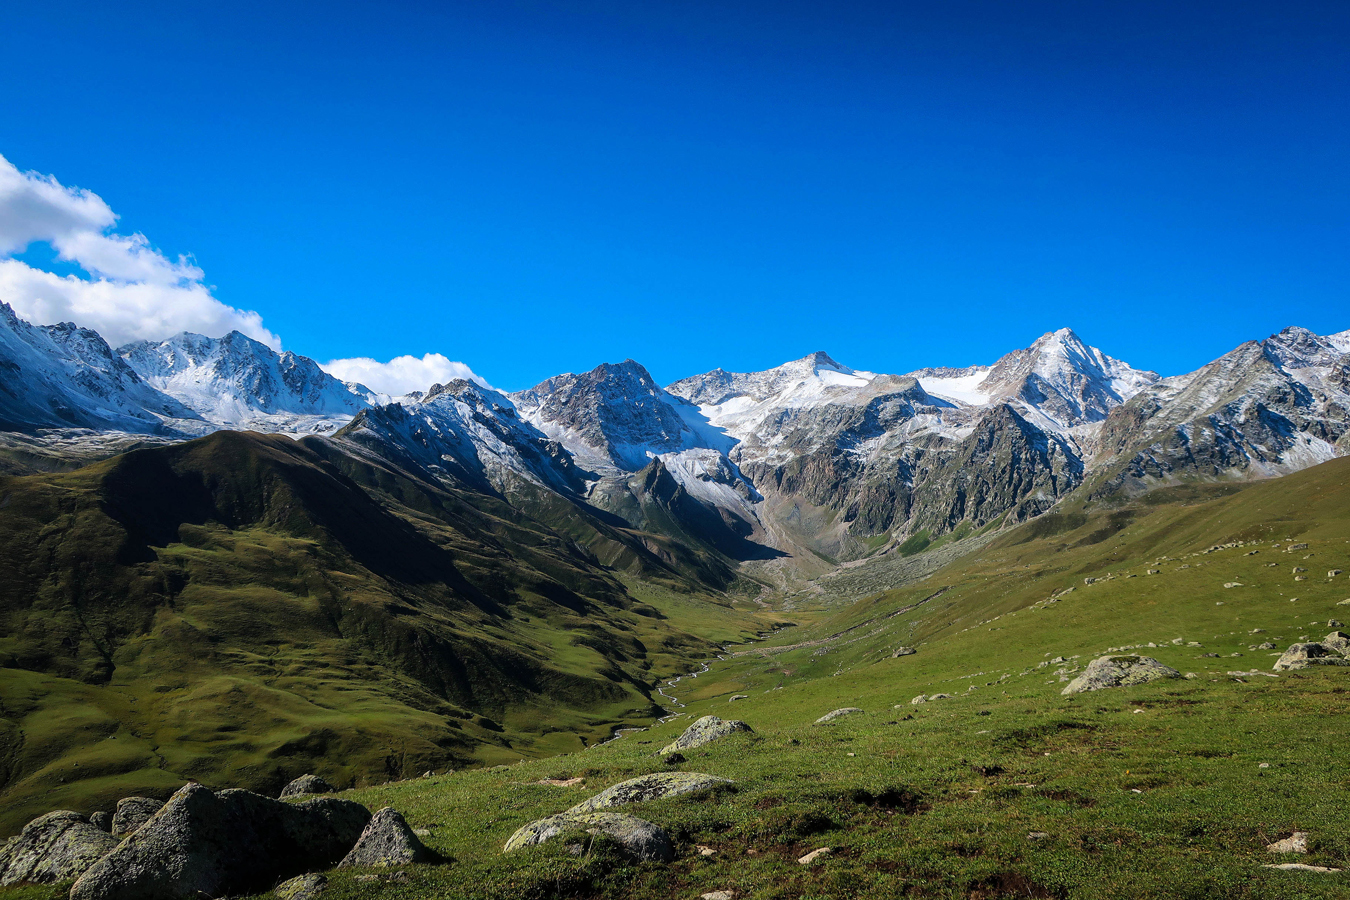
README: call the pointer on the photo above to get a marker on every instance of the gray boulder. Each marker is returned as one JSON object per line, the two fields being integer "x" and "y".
{"x": 59, "y": 846}
{"x": 837, "y": 714}
{"x": 655, "y": 786}
{"x": 204, "y": 844}
{"x": 132, "y": 813}
{"x": 638, "y": 837}
{"x": 307, "y": 784}
{"x": 303, "y": 887}
{"x": 1338, "y": 641}
{"x": 1119, "y": 671}
{"x": 903, "y": 651}
{"x": 387, "y": 841}
{"x": 704, "y": 731}
{"x": 1301, "y": 656}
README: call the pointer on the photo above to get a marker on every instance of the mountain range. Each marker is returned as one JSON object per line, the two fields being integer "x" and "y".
{"x": 803, "y": 465}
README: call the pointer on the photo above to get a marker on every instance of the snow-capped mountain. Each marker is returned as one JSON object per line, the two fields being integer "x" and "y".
{"x": 841, "y": 454}
{"x": 237, "y": 382}
{"x": 613, "y": 416}
{"x": 1059, "y": 378}
{"x": 64, "y": 376}
{"x": 466, "y": 433}
{"x": 1266, "y": 408}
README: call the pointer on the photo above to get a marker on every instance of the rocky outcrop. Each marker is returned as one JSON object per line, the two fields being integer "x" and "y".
{"x": 132, "y": 813}
{"x": 204, "y": 844}
{"x": 387, "y": 841}
{"x": 656, "y": 786}
{"x": 307, "y": 784}
{"x": 1119, "y": 671}
{"x": 639, "y": 838}
{"x": 705, "y": 731}
{"x": 59, "y": 846}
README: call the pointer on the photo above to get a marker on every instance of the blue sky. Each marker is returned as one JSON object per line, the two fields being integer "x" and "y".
{"x": 537, "y": 187}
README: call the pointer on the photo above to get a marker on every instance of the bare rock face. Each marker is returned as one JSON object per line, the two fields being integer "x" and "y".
{"x": 1119, "y": 671}
{"x": 204, "y": 844}
{"x": 307, "y": 784}
{"x": 132, "y": 813}
{"x": 55, "y": 847}
{"x": 1301, "y": 656}
{"x": 638, "y": 837}
{"x": 655, "y": 786}
{"x": 705, "y": 731}
{"x": 387, "y": 841}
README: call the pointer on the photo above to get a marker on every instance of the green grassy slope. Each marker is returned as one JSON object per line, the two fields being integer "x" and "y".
{"x": 1008, "y": 789}
{"x": 242, "y": 609}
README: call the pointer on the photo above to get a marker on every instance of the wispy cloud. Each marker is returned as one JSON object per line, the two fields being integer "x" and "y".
{"x": 402, "y": 374}
{"x": 132, "y": 291}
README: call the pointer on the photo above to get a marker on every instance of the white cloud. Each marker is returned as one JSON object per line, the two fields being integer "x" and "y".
{"x": 134, "y": 292}
{"x": 402, "y": 374}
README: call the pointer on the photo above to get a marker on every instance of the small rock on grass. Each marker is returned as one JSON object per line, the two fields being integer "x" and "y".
{"x": 303, "y": 887}
{"x": 387, "y": 841}
{"x": 656, "y": 786}
{"x": 815, "y": 855}
{"x": 1297, "y": 843}
{"x": 1304, "y": 655}
{"x": 1299, "y": 867}
{"x": 704, "y": 731}
{"x": 562, "y": 782}
{"x": 718, "y": 895}
{"x": 1119, "y": 671}
{"x": 638, "y": 837}
{"x": 837, "y": 714}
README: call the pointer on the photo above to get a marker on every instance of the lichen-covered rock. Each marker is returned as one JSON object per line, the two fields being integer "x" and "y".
{"x": 307, "y": 784}
{"x": 132, "y": 813}
{"x": 101, "y": 820}
{"x": 903, "y": 651}
{"x": 638, "y": 837}
{"x": 58, "y": 846}
{"x": 704, "y": 731}
{"x": 1119, "y": 671}
{"x": 1301, "y": 656}
{"x": 655, "y": 786}
{"x": 837, "y": 714}
{"x": 204, "y": 844}
{"x": 1338, "y": 641}
{"x": 387, "y": 841}
{"x": 302, "y": 887}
